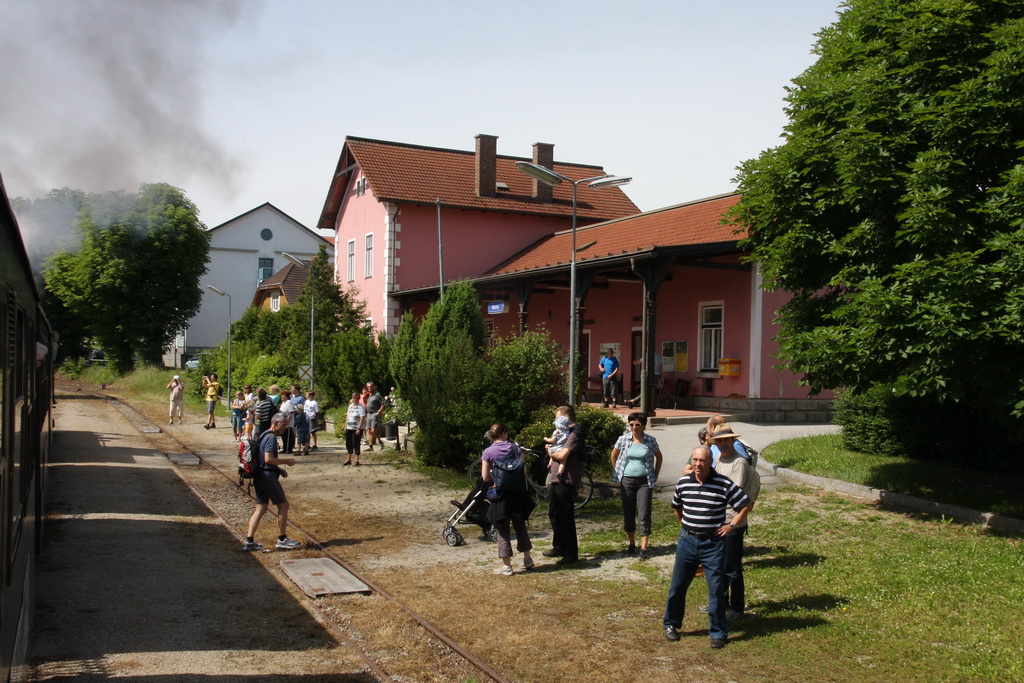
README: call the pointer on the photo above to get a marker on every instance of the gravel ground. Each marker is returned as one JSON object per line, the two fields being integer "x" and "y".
{"x": 140, "y": 579}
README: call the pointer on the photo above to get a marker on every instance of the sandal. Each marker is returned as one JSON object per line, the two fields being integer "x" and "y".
{"x": 355, "y": 464}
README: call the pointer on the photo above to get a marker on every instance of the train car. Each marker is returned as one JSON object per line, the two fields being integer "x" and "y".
{"x": 26, "y": 396}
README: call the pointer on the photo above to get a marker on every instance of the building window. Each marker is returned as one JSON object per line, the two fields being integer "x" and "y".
{"x": 361, "y": 187}
{"x": 350, "y": 263}
{"x": 265, "y": 270}
{"x": 275, "y": 302}
{"x": 368, "y": 257}
{"x": 711, "y": 318}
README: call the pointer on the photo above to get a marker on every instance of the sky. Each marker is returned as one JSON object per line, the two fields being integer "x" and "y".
{"x": 242, "y": 102}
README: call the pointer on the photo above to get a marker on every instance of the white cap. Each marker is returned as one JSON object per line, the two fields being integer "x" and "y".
{"x": 177, "y": 377}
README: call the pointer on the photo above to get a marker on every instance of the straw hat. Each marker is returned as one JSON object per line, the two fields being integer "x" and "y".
{"x": 723, "y": 431}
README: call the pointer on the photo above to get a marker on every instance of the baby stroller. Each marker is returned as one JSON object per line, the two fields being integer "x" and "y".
{"x": 472, "y": 510}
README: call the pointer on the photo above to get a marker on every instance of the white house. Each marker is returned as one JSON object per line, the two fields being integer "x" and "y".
{"x": 244, "y": 252}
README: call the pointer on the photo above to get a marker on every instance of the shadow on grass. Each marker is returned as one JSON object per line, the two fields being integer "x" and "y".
{"x": 982, "y": 491}
{"x": 764, "y": 557}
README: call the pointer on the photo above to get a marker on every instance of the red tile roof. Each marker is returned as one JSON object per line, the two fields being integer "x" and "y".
{"x": 685, "y": 225}
{"x": 411, "y": 173}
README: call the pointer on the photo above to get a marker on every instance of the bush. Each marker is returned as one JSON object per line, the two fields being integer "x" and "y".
{"x": 603, "y": 428}
{"x": 73, "y": 368}
{"x": 885, "y": 421}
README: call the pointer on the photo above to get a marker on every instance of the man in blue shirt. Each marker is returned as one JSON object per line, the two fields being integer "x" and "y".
{"x": 610, "y": 377}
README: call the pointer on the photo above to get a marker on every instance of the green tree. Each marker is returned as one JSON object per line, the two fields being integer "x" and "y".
{"x": 134, "y": 278}
{"x": 521, "y": 373}
{"x": 402, "y": 362}
{"x": 445, "y": 387}
{"x": 893, "y": 210}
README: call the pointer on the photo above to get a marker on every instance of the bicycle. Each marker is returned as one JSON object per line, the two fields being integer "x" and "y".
{"x": 537, "y": 474}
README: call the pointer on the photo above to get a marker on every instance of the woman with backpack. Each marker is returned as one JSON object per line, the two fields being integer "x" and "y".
{"x": 513, "y": 506}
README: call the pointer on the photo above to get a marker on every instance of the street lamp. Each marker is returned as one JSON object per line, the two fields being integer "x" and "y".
{"x": 599, "y": 182}
{"x": 223, "y": 293}
{"x": 312, "y": 306}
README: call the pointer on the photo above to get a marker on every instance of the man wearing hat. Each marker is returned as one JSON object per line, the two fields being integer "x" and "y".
{"x": 177, "y": 388}
{"x": 701, "y": 498}
{"x": 713, "y": 424}
{"x": 734, "y": 466}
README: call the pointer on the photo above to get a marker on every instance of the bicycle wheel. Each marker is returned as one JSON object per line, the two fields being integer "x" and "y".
{"x": 473, "y": 472}
{"x": 585, "y": 490}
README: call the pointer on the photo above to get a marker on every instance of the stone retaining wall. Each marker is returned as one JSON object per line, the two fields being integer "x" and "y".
{"x": 764, "y": 410}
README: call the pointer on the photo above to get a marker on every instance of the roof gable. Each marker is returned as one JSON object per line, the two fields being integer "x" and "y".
{"x": 398, "y": 172}
{"x": 266, "y": 206}
{"x": 289, "y": 281}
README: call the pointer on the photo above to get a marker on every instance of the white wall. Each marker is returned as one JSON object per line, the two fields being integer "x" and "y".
{"x": 235, "y": 250}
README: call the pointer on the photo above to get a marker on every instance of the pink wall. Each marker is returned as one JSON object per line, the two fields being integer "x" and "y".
{"x": 474, "y": 242}
{"x": 609, "y": 318}
{"x": 358, "y": 216}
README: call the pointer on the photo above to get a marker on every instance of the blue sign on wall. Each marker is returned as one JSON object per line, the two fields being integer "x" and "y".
{"x": 495, "y": 307}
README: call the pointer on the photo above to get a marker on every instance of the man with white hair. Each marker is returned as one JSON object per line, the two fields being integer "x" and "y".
{"x": 700, "y": 501}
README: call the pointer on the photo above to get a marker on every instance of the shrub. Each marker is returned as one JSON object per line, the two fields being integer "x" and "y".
{"x": 603, "y": 428}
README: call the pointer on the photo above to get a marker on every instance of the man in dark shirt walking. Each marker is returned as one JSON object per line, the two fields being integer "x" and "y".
{"x": 700, "y": 501}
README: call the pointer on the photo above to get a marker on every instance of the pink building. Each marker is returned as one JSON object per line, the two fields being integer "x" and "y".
{"x": 391, "y": 204}
{"x": 667, "y": 289}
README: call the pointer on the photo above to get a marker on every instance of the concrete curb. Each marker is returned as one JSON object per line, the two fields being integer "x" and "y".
{"x": 894, "y": 499}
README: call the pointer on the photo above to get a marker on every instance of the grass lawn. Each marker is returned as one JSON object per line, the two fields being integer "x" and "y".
{"x": 843, "y": 591}
{"x": 825, "y": 456}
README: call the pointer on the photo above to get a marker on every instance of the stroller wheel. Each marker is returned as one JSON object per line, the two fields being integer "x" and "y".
{"x": 492, "y": 535}
{"x": 452, "y": 537}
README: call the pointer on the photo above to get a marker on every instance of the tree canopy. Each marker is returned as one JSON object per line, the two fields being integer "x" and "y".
{"x": 893, "y": 210}
{"x": 134, "y": 278}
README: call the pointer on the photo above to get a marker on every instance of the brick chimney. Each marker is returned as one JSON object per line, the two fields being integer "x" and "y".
{"x": 486, "y": 165}
{"x": 543, "y": 155}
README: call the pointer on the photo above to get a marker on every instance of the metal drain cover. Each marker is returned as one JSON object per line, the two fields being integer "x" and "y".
{"x": 322, "y": 576}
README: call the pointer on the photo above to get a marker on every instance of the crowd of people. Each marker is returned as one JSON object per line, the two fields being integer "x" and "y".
{"x": 711, "y": 502}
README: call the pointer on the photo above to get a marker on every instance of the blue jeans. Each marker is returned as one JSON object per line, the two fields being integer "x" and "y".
{"x": 692, "y": 551}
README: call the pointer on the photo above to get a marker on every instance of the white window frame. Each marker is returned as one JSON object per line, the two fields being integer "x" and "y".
{"x": 368, "y": 255}
{"x": 711, "y": 336}
{"x": 350, "y": 263}
{"x": 275, "y": 301}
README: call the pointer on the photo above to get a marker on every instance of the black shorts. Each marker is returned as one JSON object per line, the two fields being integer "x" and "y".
{"x": 268, "y": 489}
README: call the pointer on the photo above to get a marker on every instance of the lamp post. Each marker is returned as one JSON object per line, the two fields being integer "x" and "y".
{"x": 598, "y": 182}
{"x": 223, "y": 293}
{"x": 312, "y": 307}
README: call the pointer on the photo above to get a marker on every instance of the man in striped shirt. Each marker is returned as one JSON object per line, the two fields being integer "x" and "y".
{"x": 700, "y": 501}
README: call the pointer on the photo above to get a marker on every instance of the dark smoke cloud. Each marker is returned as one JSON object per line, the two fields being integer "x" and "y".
{"x": 103, "y": 95}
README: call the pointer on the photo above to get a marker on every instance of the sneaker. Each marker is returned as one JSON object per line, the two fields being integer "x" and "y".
{"x": 671, "y": 634}
{"x": 179, "y": 423}
{"x": 567, "y": 560}
{"x": 170, "y": 422}
{"x": 528, "y": 563}
{"x": 503, "y": 570}
{"x": 288, "y": 544}
{"x": 249, "y": 546}
{"x": 733, "y": 615}
{"x": 645, "y": 554}
{"x": 717, "y": 643}
{"x": 631, "y": 550}
{"x": 552, "y": 553}
{"x": 703, "y": 609}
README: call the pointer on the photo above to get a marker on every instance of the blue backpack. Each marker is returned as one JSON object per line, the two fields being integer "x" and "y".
{"x": 509, "y": 474}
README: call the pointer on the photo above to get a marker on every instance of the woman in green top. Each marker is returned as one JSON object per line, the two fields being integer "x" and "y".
{"x": 636, "y": 463}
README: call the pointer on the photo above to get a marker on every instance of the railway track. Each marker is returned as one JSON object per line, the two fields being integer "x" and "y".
{"x": 230, "y": 478}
